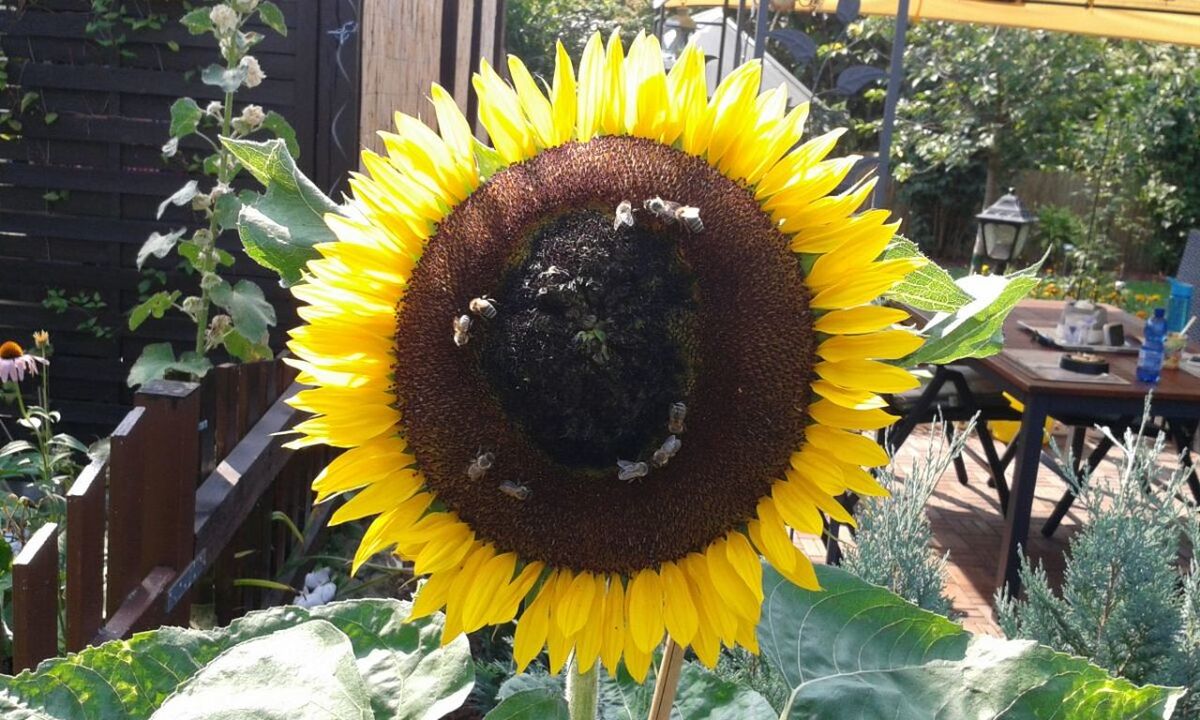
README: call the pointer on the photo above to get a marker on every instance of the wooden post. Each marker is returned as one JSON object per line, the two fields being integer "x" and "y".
{"x": 154, "y": 471}
{"x": 35, "y": 599}
{"x": 85, "y": 555}
{"x": 667, "y": 682}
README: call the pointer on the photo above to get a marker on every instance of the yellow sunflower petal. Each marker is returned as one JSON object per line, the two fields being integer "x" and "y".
{"x": 501, "y": 114}
{"x": 787, "y": 171}
{"x": 612, "y": 641}
{"x": 537, "y": 108}
{"x": 530, "y": 637}
{"x": 853, "y": 399}
{"x": 866, "y": 285}
{"x": 446, "y": 548}
{"x": 869, "y": 375}
{"x": 881, "y": 345}
{"x": 612, "y": 106}
{"x": 455, "y": 130}
{"x": 432, "y": 596}
{"x": 484, "y": 593}
{"x": 591, "y": 90}
{"x": 575, "y": 603}
{"x": 729, "y": 583}
{"x": 379, "y": 496}
{"x": 833, "y": 415}
{"x": 516, "y": 591}
{"x": 846, "y": 446}
{"x": 679, "y": 613}
{"x": 591, "y": 635}
{"x": 688, "y": 96}
{"x": 852, "y": 321}
{"x": 645, "y": 610}
{"x": 796, "y": 509}
{"x": 562, "y": 96}
{"x": 361, "y": 466}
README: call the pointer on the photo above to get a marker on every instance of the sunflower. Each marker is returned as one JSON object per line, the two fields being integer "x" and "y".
{"x": 587, "y": 376}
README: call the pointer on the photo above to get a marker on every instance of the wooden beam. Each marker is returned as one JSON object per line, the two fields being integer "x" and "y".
{"x": 401, "y": 57}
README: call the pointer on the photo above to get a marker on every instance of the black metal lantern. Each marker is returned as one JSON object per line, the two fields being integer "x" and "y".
{"x": 1004, "y": 229}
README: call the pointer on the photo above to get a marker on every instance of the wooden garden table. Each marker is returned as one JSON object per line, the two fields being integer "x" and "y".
{"x": 1176, "y": 396}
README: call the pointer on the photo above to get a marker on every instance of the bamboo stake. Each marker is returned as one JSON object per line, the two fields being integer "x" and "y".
{"x": 667, "y": 682}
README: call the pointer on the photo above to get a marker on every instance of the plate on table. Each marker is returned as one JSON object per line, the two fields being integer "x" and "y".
{"x": 1048, "y": 336}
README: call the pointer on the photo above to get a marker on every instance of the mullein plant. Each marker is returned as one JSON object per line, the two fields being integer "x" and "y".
{"x": 1127, "y": 601}
{"x": 234, "y": 317}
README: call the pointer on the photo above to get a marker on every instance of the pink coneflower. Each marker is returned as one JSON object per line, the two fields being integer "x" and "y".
{"x": 14, "y": 362}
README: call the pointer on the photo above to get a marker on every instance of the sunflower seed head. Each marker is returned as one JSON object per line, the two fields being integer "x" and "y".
{"x": 515, "y": 490}
{"x": 624, "y": 215}
{"x": 630, "y": 471}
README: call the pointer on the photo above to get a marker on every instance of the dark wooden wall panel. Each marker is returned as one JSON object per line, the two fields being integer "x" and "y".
{"x": 104, "y": 151}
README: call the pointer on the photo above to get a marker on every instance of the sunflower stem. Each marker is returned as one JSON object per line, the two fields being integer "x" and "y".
{"x": 667, "y": 681}
{"x": 582, "y": 691}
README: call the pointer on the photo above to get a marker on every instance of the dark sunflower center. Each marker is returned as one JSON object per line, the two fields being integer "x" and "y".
{"x": 551, "y": 399}
{"x": 593, "y": 340}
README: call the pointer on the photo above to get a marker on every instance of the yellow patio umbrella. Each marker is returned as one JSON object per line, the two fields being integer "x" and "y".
{"x": 1171, "y": 21}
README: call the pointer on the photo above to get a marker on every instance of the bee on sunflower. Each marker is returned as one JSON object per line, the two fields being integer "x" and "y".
{"x": 586, "y": 377}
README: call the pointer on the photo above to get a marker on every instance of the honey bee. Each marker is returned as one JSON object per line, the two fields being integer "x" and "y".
{"x": 462, "y": 330}
{"x": 675, "y": 418}
{"x": 689, "y": 217}
{"x": 673, "y": 212}
{"x": 483, "y": 307}
{"x": 624, "y": 215}
{"x": 663, "y": 455}
{"x": 630, "y": 471}
{"x": 515, "y": 490}
{"x": 480, "y": 465}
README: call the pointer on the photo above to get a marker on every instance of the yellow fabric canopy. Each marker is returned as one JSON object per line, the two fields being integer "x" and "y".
{"x": 1171, "y": 21}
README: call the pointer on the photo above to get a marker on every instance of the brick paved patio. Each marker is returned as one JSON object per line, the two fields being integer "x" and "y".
{"x": 967, "y": 523}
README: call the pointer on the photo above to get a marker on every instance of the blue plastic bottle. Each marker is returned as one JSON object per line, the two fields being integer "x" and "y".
{"x": 1150, "y": 358}
{"x": 1179, "y": 306}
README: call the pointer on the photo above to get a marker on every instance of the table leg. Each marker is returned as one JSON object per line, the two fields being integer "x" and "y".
{"x": 1020, "y": 501}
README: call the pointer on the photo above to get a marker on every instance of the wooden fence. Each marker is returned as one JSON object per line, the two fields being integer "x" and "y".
{"x": 181, "y": 507}
{"x": 81, "y": 179}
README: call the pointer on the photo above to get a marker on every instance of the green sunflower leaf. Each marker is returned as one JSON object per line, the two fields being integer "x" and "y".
{"x": 280, "y": 228}
{"x": 929, "y": 288}
{"x": 857, "y": 650}
{"x": 306, "y": 672}
{"x": 975, "y": 329}
{"x": 540, "y": 704}
{"x": 405, "y": 670}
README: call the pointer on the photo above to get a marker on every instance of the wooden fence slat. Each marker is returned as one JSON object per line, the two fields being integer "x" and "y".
{"x": 85, "y": 555}
{"x": 127, "y": 448}
{"x": 35, "y": 605}
{"x": 141, "y": 610}
{"x": 169, "y": 498}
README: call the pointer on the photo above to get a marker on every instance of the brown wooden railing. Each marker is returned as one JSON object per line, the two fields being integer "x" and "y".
{"x": 181, "y": 507}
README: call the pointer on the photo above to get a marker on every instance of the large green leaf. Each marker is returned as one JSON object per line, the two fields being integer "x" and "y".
{"x": 927, "y": 288}
{"x": 537, "y": 704}
{"x": 856, "y": 650}
{"x": 705, "y": 696}
{"x": 185, "y": 117}
{"x": 252, "y": 315}
{"x": 406, "y": 671}
{"x": 975, "y": 329}
{"x": 306, "y": 672}
{"x": 280, "y": 228}
{"x": 158, "y": 360}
